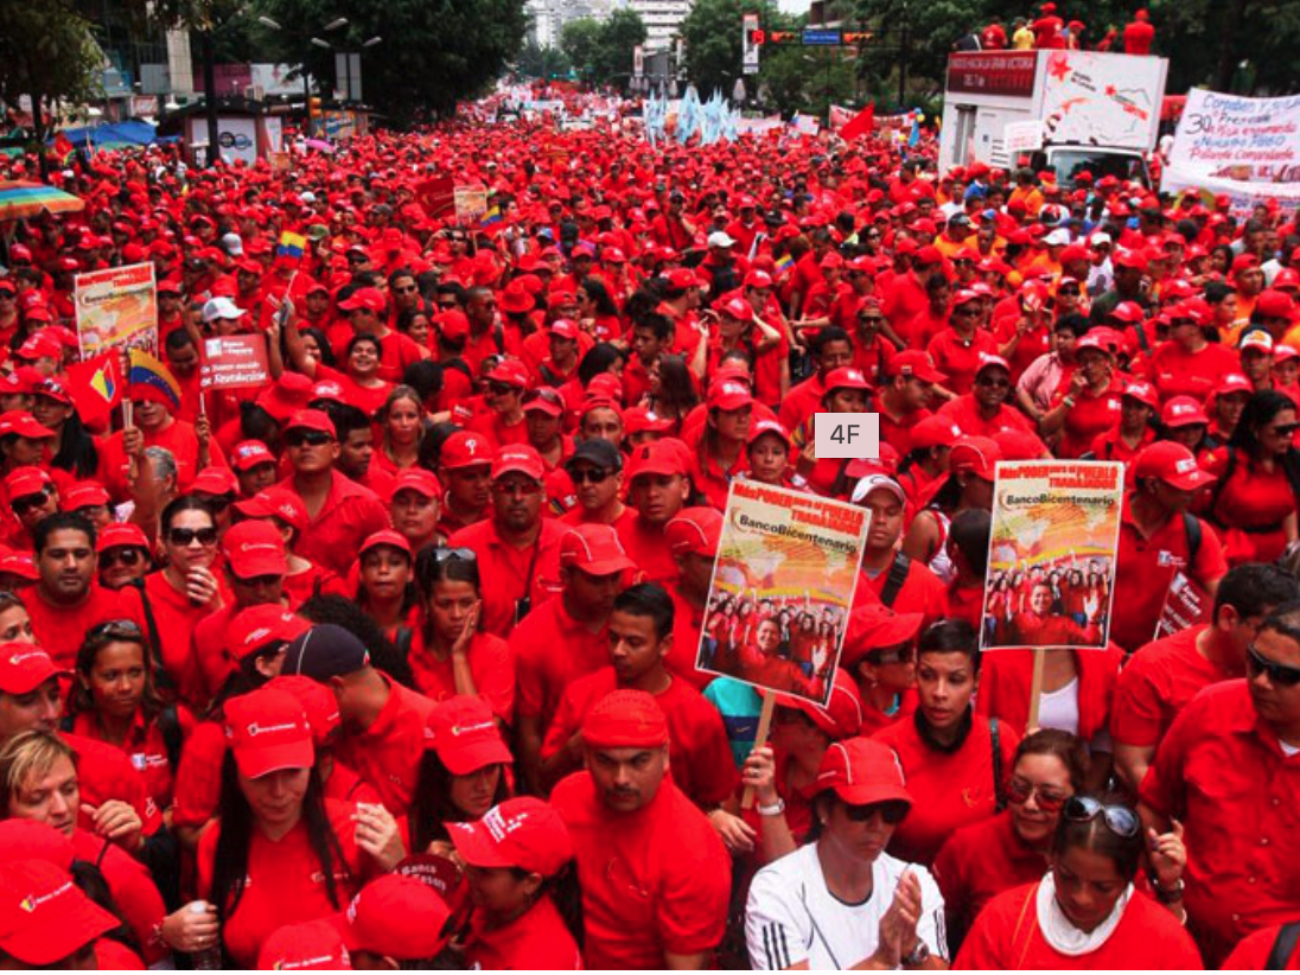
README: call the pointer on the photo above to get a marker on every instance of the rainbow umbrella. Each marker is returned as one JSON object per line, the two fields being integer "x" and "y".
{"x": 21, "y": 199}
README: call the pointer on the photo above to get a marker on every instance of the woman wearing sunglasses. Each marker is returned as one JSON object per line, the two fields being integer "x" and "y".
{"x": 840, "y": 901}
{"x": 1258, "y": 487}
{"x": 185, "y": 589}
{"x": 1087, "y": 912}
{"x": 1092, "y": 401}
{"x": 947, "y": 750}
{"x": 980, "y": 861}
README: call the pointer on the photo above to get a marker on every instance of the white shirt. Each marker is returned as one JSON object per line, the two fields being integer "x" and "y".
{"x": 792, "y": 917}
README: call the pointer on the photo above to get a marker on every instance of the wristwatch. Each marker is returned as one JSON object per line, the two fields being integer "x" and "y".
{"x": 918, "y": 957}
{"x": 775, "y": 809}
{"x": 1170, "y": 895}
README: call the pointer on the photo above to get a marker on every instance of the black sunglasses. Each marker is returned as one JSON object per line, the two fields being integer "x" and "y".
{"x": 1285, "y": 429}
{"x": 1283, "y": 674}
{"x": 127, "y": 557}
{"x": 28, "y": 502}
{"x": 187, "y": 536}
{"x": 1120, "y": 820}
{"x": 891, "y": 812}
{"x": 458, "y": 554}
{"x": 993, "y": 383}
{"x": 591, "y": 475}
{"x": 266, "y": 580}
{"x": 501, "y": 389}
{"x": 307, "y": 438}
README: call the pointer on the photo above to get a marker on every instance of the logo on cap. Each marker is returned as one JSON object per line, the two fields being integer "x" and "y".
{"x": 32, "y": 901}
{"x": 18, "y": 658}
{"x": 465, "y": 729}
{"x": 499, "y": 826}
{"x": 1185, "y": 465}
{"x": 256, "y": 729}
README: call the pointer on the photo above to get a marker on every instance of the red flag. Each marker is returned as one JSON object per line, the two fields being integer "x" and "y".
{"x": 96, "y": 387}
{"x": 63, "y": 147}
{"x": 860, "y": 124}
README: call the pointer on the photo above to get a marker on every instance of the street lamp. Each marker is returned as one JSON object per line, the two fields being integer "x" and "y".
{"x": 372, "y": 42}
{"x": 338, "y": 23}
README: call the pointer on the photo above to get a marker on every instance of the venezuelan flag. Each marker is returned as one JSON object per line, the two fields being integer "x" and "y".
{"x": 149, "y": 379}
{"x": 493, "y": 216}
{"x": 784, "y": 263}
{"x": 291, "y": 246}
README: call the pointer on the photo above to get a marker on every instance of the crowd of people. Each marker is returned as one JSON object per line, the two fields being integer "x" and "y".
{"x": 392, "y": 660}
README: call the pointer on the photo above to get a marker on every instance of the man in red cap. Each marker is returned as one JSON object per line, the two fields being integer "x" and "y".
{"x": 566, "y": 637}
{"x": 366, "y": 316}
{"x": 693, "y": 536}
{"x": 416, "y": 506}
{"x": 656, "y": 878}
{"x": 465, "y": 467}
{"x": 640, "y": 638}
{"x": 906, "y": 298}
{"x": 254, "y": 466}
{"x": 504, "y": 424}
{"x": 1158, "y": 537}
{"x": 831, "y": 349}
{"x": 342, "y": 513}
{"x": 518, "y": 550}
{"x": 904, "y": 585}
{"x": 984, "y": 411}
{"x": 906, "y": 391}
{"x": 658, "y": 489}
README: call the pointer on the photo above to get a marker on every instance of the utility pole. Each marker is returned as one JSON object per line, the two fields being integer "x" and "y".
{"x": 210, "y": 96}
{"x": 904, "y": 50}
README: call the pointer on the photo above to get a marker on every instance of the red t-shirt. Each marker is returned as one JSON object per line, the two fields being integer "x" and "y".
{"x": 653, "y": 881}
{"x": 1007, "y": 936}
{"x": 980, "y": 861}
{"x": 965, "y": 413}
{"x": 60, "y": 630}
{"x": 698, "y": 748}
{"x": 176, "y": 618}
{"x": 177, "y": 437}
{"x": 803, "y": 401}
{"x": 959, "y": 359}
{"x": 949, "y": 790}
{"x": 645, "y": 545}
{"x": 490, "y": 663}
{"x": 350, "y": 515}
{"x": 536, "y": 940}
{"x": 145, "y": 748}
{"x": 1090, "y": 417}
{"x": 388, "y": 753}
{"x": 687, "y": 621}
{"x": 552, "y": 650}
{"x": 504, "y": 570}
{"x": 921, "y": 592}
{"x": 1006, "y": 676}
{"x": 1177, "y": 372}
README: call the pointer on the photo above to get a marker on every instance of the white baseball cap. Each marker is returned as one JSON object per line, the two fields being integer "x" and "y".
{"x": 720, "y": 238}
{"x": 233, "y": 245}
{"x": 216, "y": 308}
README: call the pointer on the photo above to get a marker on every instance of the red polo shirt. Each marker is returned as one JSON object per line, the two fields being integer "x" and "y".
{"x": 387, "y": 754}
{"x": 491, "y": 664}
{"x": 60, "y": 630}
{"x": 178, "y": 437}
{"x": 1090, "y": 417}
{"x": 698, "y": 750}
{"x": 551, "y": 651}
{"x": 1176, "y": 372}
{"x": 1222, "y": 772}
{"x": 198, "y": 781}
{"x": 959, "y": 359}
{"x": 103, "y": 773}
{"x": 949, "y": 789}
{"x": 653, "y": 881}
{"x": 536, "y": 940}
{"x": 803, "y": 401}
{"x": 980, "y": 861}
{"x": 350, "y": 515}
{"x": 504, "y": 570}
{"x": 897, "y": 432}
{"x": 177, "y": 618}
{"x": 1145, "y": 568}
{"x": 1158, "y": 682}
{"x": 645, "y": 545}
{"x": 1006, "y": 676}
{"x": 921, "y": 592}
{"x": 145, "y": 748}
{"x": 965, "y": 413}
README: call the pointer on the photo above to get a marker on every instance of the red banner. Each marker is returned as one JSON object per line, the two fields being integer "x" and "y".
{"x": 992, "y": 72}
{"x": 234, "y": 362}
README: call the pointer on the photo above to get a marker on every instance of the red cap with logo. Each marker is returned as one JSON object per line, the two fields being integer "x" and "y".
{"x": 862, "y": 772}
{"x": 372, "y": 299}
{"x": 121, "y": 535}
{"x": 254, "y": 548}
{"x": 917, "y": 365}
{"x": 464, "y": 448}
{"x": 1172, "y": 463}
{"x": 313, "y": 946}
{"x": 660, "y": 457}
{"x": 249, "y": 453}
{"x": 23, "y": 424}
{"x": 25, "y": 667}
{"x": 975, "y": 455}
{"x": 517, "y": 458}
{"x": 83, "y": 494}
{"x": 524, "y": 832}
{"x": 267, "y": 731}
{"x": 397, "y": 917}
{"x": 44, "y": 916}
{"x": 257, "y": 627}
{"x": 317, "y": 420}
{"x": 595, "y": 549}
{"x": 419, "y": 480}
{"x": 729, "y": 395}
{"x": 386, "y": 537}
{"x": 463, "y": 731}
{"x": 24, "y": 481}
{"x": 1183, "y": 411}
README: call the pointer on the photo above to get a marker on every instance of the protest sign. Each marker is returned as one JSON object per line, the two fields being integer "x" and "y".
{"x": 1247, "y": 148}
{"x": 117, "y": 308}
{"x": 1051, "y": 570}
{"x": 781, "y": 590}
{"x": 234, "y": 362}
{"x": 1022, "y": 136}
{"x": 1187, "y": 604}
{"x": 436, "y": 195}
{"x": 471, "y": 203}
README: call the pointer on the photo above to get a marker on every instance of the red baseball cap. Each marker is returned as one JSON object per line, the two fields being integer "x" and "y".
{"x": 276, "y": 502}
{"x": 625, "y": 719}
{"x": 660, "y": 457}
{"x": 464, "y": 448}
{"x": 1275, "y": 304}
{"x": 385, "y": 537}
{"x": 20, "y": 564}
{"x": 929, "y": 254}
{"x": 83, "y": 494}
{"x": 934, "y": 431}
{"x": 975, "y": 455}
{"x": 862, "y": 771}
{"x": 916, "y": 364}
{"x": 25, "y": 667}
{"x": 841, "y": 717}
{"x": 595, "y": 549}
{"x": 729, "y": 395}
{"x": 512, "y": 372}
{"x": 1172, "y": 463}
{"x": 267, "y": 731}
{"x": 1143, "y": 392}
{"x": 765, "y": 425}
{"x": 314, "y": 946}
{"x": 1234, "y": 382}
{"x": 254, "y": 548}
{"x": 452, "y": 324}
{"x": 257, "y": 627}
{"x": 518, "y": 458}
{"x": 524, "y": 832}
{"x": 44, "y": 916}
{"x": 1128, "y": 312}
{"x": 681, "y": 278}
{"x": 737, "y": 308}
{"x": 463, "y": 731}
{"x": 216, "y": 481}
{"x": 875, "y": 626}
{"x": 397, "y": 917}
{"x": 846, "y": 377}
{"x": 121, "y": 535}
{"x": 696, "y": 531}
{"x": 327, "y": 389}
{"x": 249, "y": 453}
{"x": 317, "y": 420}
{"x": 24, "y": 481}
{"x": 23, "y": 424}
{"x": 1183, "y": 411}
{"x": 419, "y": 480}
{"x": 371, "y": 299}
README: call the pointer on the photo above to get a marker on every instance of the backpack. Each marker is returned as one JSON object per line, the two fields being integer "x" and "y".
{"x": 1283, "y": 947}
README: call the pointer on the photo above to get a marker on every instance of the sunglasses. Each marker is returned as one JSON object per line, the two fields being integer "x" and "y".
{"x": 307, "y": 438}
{"x": 457, "y": 554}
{"x": 1285, "y": 429}
{"x": 965, "y": 311}
{"x": 894, "y": 655}
{"x": 255, "y": 581}
{"x": 892, "y": 813}
{"x": 1281, "y": 674}
{"x": 28, "y": 503}
{"x": 1071, "y": 292}
{"x": 1120, "y": 820}
{"x": 994, "y": 383}
{"x": 185, "y": 537}
{"x": 1019, "y": 791}
{"x": 501, "y": 389}
{"x": 127, "y": 557}
{"x": 409, "y": 289}
{"x": 116, "y": 630}
{"x": 594, "y": 475}
{"x": 870, "y": 319}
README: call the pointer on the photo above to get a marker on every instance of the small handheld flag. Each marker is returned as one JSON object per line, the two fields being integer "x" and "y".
{"x": 149, "y": 379}
{"x": 291, "y": 245}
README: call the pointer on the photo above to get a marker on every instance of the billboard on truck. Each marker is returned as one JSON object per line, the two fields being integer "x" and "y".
{"x": 1095, "y": 99}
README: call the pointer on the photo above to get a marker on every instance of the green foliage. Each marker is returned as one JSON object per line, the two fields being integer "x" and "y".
{"x": 46, "y": 52}
{"x": 601, "y": 51}
{"x": 536, "y": 61}
{"x": 433, "y": 52}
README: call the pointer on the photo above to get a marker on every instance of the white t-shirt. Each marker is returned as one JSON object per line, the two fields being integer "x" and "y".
{"x": 792, "y": 917}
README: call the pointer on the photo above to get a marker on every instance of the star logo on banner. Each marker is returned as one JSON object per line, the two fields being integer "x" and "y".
{"x": 1059, "y": 66}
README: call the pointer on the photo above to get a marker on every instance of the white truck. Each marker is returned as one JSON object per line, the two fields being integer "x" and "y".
{"x": 1067, "y": 110}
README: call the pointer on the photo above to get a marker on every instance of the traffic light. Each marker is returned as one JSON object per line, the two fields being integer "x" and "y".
{"x": 857, "y": 37}
{"x": 783, "y": 37}
{"x": 757, "y": 37}
{"x": 313, "y": 106}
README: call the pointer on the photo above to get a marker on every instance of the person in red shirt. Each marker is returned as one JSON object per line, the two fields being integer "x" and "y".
{"x": 693, "y": 536}
{"x": 1138, "y": 405}
{"x": 189, "y": 444}
{"x": 1188, "y": 364}
{"x": 396, "y": 922}
{"x": 719, "y": 455}
{"x": 1139, "y": 35}
{"x": 504, "y": 423}
{"x": 383, "y": 722}
{"x": 366, "y": 317}
{"x": 980, "y": 861}
{"x": 906, "y": 389}
{"x": 465, "y": 467}
{"x": 1266, "y": 950}
{"x": 947, "y": 750}
{"x": 518, "y": 857}
{"x": 957, "y": 351}
{"x": 517, "y": 549}
{"x": 342, "y": 513}
{"x": 640, "y": 637}
{"x": 1157, "y": 538}
{"x": 1229, "y": 760}
{"x": 1163, "y": 676}
{"x": 656, "y": 879}
{"x": 906, "y": 298}
{"x": 902, "y": 584}
{"x": 1086, "y": 914}
{"x": 658, "y": 490}
{"x": 831, "y": 349}
{"x": 985, "y": 412}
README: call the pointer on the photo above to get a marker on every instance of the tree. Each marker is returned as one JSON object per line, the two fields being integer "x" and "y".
{"x": 601, "y": 51}
{"x": 536, "y": 61}
{"x": 580, "y": 42}
{"x": 433, "y": 53}
{"x": 712, "y": 36}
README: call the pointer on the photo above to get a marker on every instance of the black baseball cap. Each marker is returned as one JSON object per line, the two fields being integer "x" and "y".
{"x": 325, "y": 651}
{"x": 602, "y": 453}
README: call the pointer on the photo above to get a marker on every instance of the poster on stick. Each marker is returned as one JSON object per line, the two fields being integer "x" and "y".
{"x": 1187, "y": 604}
{"x": 234, "y": 362}
{"x": 782, "y": 587}
{"x": 1051, "y": 569}
{"x": 471, "y": 203}
{"x": 117, "y": 308}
